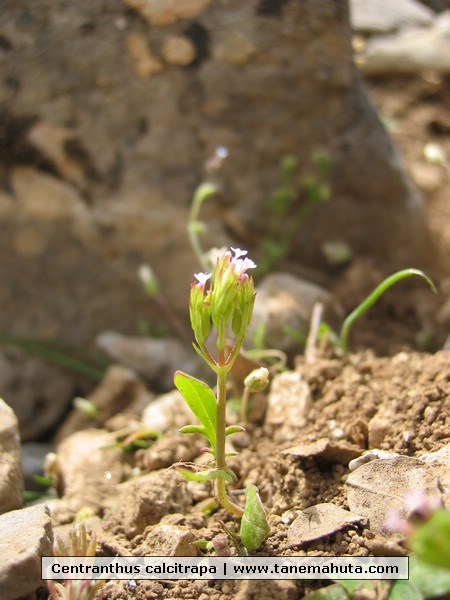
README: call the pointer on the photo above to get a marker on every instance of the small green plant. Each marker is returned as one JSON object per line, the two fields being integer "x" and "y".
{"x": 151, "y": 285}
{"x": 290, "y": 205}
{"x": 221, "y": 301}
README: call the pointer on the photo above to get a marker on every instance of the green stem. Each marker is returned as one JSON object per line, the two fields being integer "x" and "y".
{"x": 373, "y": 297}
{"x": 222, "y": 495}
{"x": 244, "y": 404}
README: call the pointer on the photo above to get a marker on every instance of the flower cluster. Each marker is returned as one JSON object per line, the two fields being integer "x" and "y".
{"x": 227, "y": 302}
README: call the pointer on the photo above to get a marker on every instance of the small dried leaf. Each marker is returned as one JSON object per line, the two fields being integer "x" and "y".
{"x": 380, "y": 486}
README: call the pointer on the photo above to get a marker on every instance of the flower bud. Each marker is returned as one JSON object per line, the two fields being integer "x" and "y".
{"x": 149, "y": 281}
{"x": 257, "y": 380}
{"x": 200, "y": 308}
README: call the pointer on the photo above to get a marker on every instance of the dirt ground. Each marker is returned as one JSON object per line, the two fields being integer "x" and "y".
{"x": 392, "y": 392}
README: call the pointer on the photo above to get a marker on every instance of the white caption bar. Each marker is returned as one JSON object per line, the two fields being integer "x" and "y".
{"x": 289, "y": 567}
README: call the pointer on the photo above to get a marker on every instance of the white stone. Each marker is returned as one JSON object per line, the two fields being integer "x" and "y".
{"x": 26, "y": 536}
{"x": 409, "y": 51}
{"x": 168, "y": 412}
{"x": 288, "y": 405}
{"x": 388, "y": 15}
{"x": 165, "y": 12}
{"x": 11, "y": 482}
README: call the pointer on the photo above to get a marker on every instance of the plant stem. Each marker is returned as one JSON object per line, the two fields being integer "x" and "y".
{"x": 195, "y": 226}
{"x": 244, "y": 404}
{"x": 220, "y": 441}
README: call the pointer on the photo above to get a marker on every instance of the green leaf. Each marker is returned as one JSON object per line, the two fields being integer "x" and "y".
{"x": 234, "y": 429}
{"x": 431, "y": 540}
{"x": 192, "y": 429}
{"x": 404, "y": 590}
{"x": 208, "y": 475}
{"x": 354, "y": 585}
{"x": 44, "y": 481}
{"x": 431, "y": 581}
{"x": 201, "y": 400}
{"x": 254, "y": 526}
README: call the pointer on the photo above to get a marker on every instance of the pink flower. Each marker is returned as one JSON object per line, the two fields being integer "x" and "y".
{"x": 237, "y": 253}
{"x": 240, "y": 265}
{"x": 395, "y": 522}
{"x": 202, "y": 278}
{"x": 422, "y": 505}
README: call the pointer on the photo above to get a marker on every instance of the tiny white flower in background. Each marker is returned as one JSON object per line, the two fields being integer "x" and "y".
{"x": 215, "y": 161}
{"x": 222, "y": 152}
{"x": 145, "y": 273}
{"x": 148, "y": 279}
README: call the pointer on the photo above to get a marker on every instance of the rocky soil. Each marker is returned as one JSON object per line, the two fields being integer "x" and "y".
{"x": 396, "y": 407}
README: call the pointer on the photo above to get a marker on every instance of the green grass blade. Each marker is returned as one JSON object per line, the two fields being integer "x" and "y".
{"x": 373, "y": 297}
{"x": 49, "y": 351}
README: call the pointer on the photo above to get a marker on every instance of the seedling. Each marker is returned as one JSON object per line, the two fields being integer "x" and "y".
{"x": 151, "y": 285}
{"x": 221, "y": 301}
{"x": 131, "y": 439}
{"x": 290, "y": 205}
{"x": 79, "y": 546}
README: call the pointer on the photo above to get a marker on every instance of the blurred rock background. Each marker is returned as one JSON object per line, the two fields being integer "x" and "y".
{"x": 109, "y": 111}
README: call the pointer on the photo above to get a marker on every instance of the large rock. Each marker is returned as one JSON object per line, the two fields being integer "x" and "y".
{"x": 11, "y": 481}
{"x": 107, "y": 117}
{"x": 27, "y": 535}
